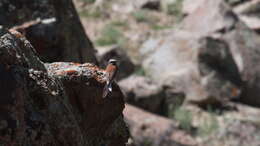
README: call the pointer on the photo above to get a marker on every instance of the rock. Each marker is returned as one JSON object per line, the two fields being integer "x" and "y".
{"x": 235, "y": 2}
{"x": 143, "y": 93}
{"x": 149, "y": 129}
{"x": 228, "y": 27}
{"x": 182, "y": 64}
{"x": 217, "y": 17}
{"x": 126, "y": 66}
{"x": 188, "y": 6}
{"x": 46, "y": 106}
{"x": 194, "y": 62}
{"x": 59, "y": 36}
{"x": 249, "y": 13}
{"x": 186, "y": 71}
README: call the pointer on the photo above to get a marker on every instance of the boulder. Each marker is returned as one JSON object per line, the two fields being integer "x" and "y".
{"x": 143, "y": 93}
{"x": 54, "y": 104}
{"x": 153, "y": 130}
{"x": 58, "y": 36}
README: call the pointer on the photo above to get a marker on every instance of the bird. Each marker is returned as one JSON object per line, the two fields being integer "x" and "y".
{"x": 110, "y": 74}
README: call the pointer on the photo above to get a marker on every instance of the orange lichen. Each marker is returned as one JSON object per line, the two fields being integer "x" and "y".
{"x": 71, "y": 72}
{"x": 60, "y": 72}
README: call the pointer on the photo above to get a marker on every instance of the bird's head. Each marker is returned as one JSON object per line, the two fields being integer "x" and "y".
{"x": 113, "y": 61}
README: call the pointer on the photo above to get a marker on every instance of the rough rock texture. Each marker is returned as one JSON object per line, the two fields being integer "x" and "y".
{"x": 59, "y": 36}
{"x": 189, "y": 62}
{"x": 152, "y": 130}
{"x": 126, "y": 66}
{"x": 47, "y": 107}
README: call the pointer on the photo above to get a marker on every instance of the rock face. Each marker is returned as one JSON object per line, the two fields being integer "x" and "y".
{"x": 46, "y": 106}
{"x": 59, "y": 35}
{"x": 189, "y": 62}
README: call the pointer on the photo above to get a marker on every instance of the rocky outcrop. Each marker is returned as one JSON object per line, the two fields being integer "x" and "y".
{"x": 58, "y": 36}
{"x": 59, "y": 104}
{"x": 152, "y": 130}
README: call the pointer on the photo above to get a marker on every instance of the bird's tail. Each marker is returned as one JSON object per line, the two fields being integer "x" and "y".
{"x": 107, "y": 89}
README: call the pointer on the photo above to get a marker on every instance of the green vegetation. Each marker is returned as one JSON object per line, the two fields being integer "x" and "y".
{"x": 185, "y": 118}
{"x": 210, "y": 125}
{"x": 91, "y": 13}
{"x": 160, "y": 27}
{"x": 88, "y": 1}
{"x": 175, "y": 9}
{"x": 110, "y": 35}
{"x": 140, "y": 71}
{"x": 141, "y": 16}
{"x": 147, "y": 142}
{"x": 119, "y": 23}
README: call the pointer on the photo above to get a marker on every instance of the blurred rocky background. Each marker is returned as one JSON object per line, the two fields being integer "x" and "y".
{"x": 190, "y": 69}
{"x": 189, "y": 72}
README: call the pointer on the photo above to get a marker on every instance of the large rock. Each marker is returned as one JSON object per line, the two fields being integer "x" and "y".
{"x": 142, "y": 92}
{"x": 148, "y": 95}
{"x": 202, "y": 67}
{"x": 214, "y": 58}
{"x": 59, "y": 36}
{"x": 249, "y": 13}
{"x": 189, "y": 67}
{"x": 152, "y": 130}
{"x": 60, "y": 105}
